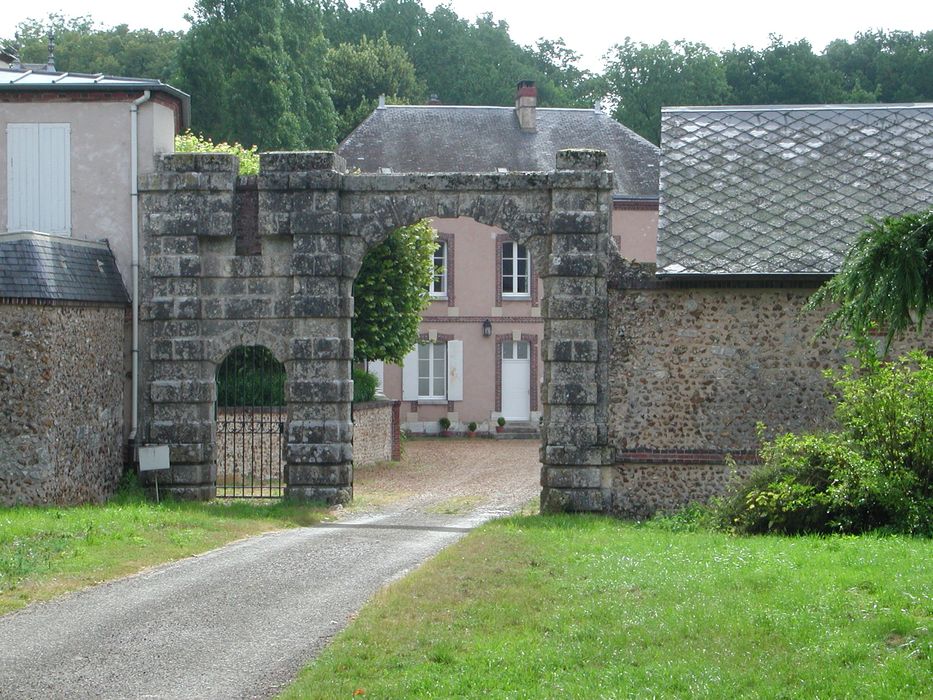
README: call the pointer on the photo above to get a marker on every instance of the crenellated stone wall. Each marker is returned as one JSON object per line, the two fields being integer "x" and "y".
{"x": 61, "y": 393}
{"x": 202, "y": 295}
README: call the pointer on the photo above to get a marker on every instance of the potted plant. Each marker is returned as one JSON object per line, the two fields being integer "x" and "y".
{"x": 471, "y": 429}
{"x": 445, "y": 426}
{"x": 500, "y": 424}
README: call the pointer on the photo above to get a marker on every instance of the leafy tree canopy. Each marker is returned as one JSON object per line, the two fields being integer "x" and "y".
{"x": 359, "y": 73}
{"x": 886, "y": 280}
{"x": 256, "y": 70}
{"x": 391, "y": 291}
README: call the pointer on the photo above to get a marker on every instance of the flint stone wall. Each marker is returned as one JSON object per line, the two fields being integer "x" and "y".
{"x": 314, "y": 223}
{"x": 61, "y": 389}
{"x": 693, "y": 370}
{"x": 376, "y": 432}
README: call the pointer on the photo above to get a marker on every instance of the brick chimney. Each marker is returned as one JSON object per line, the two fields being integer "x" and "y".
{"x": 526, "y": 100}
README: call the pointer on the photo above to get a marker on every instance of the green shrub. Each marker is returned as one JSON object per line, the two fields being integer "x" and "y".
{"x": 190, "y": 143}
{"x": 472, "y": 426}
{"x": 875, "y": 471}
{"x": 250, "y": 376}
{"x": 364, "y": 385}
{"x": 444, "y": 423}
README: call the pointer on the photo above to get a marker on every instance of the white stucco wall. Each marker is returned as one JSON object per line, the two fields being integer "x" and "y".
{"x": 100, "y": 162}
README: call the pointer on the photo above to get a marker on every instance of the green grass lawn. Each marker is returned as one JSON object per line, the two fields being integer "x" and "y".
{"x": 46, "y": 551}
{"x": 589, "y": 607}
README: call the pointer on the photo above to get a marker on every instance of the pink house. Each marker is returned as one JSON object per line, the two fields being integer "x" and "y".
{"x": 481, "y": 335}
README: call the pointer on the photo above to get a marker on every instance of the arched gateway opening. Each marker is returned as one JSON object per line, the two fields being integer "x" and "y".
{"x": 204, "y": 291}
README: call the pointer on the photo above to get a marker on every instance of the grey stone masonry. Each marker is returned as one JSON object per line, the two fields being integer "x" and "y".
{"x": 315, "y": 223}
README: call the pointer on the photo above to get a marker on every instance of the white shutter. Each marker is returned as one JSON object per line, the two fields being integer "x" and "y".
{"x": 455, "y": 370}
{"x": 410, "y": 376}
{"x": 54, "y": 213}
{"x": 39, "y": 178}
{"x": 22, "y": 175}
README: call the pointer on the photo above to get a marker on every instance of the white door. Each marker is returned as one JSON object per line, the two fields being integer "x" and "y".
{"x": 516, "y": 380}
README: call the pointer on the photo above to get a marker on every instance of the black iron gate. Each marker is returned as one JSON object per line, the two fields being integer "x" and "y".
{"x": 250, "y": 424}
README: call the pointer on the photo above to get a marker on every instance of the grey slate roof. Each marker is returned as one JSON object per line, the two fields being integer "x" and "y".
{"x": 413, "y": 139}
{"x": 774, "y": 190}
{"x": 52, "y": 268}
{"x": 26, "y": 80}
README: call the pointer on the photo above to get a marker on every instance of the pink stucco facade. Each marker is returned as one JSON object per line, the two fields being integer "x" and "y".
{"x": 473, "y": 297}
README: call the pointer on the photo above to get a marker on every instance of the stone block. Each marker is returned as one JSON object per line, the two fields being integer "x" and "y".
{"x": 572, "y": 477}
{"x": 199, "y": 162}
{"x": 319, "y": 390}
{"x": 319, "y": 494}
{"x": 298, "y": 161}
{"x": 560, "y": 392}
{"x": 181, "y": 391}
{"x": 319, "y": 475}
{"x": 320, "y": 307}
{"x": 323, "y": 453}
{"x": 311, "y": 431}
{"x": 569, "y": 455}
{"x": 582, "y": 159}
{"x": 560, "y": 500}
{"x": 576, "y": 265}
{"x": 570, "y": 222}
{"x": 171, "y": 432}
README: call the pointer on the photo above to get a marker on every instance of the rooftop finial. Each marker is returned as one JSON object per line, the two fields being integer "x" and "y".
{"x": 50, "y": 64}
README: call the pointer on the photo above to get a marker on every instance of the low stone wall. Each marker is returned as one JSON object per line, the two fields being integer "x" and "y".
{"x": 376, "y": 432}
{"x": 693, "y": 370}
{"x": 61, "y": 389}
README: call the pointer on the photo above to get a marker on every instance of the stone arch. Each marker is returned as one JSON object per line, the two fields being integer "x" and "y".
{"x": 315, "y": 223}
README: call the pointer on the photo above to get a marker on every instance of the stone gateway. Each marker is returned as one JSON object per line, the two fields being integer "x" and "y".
{"x": 205, "y": 291}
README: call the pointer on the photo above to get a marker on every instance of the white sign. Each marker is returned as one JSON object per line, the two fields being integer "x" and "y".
{"x": 153, "y": 457}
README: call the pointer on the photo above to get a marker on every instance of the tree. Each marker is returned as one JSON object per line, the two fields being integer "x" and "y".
{"x": 886, "y": 279}
{"x": 642, "y": 78}
{"x": 359, "y": 73}
{"x": 391, "y": 291}
{"x": 82, "y": 47}
{"x": 256, "y": 68}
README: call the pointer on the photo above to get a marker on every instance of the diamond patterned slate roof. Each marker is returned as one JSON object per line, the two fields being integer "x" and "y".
{"x": 431, "y": 138}
{"x": 53, "y": 268}
{"x": 774, "y": 190}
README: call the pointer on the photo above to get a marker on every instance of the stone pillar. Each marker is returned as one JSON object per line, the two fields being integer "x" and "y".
{"x": 575, "y": 452}
{"x": 299, "y": 196}
{"x": 188, "y": 199}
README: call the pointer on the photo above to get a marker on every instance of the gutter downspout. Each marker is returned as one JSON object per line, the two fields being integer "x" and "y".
{"x": 134, "y": 218}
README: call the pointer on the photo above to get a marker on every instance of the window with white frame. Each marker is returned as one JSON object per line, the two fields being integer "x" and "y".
{"x": 516, "y": 271}
{"x": 432, "y": 370}
{"x": 39, "y": 177}
{"x": 439, "y": 283}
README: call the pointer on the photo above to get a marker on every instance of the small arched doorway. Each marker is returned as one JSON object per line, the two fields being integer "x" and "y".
{"x": 250, "y": 420}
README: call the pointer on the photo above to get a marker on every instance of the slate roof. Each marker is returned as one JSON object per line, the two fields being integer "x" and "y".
{"x": 431, "y": 138}
{"x": 27, "y": 80}
{"x": 53, "y": 268}
{"x": 783, "y": 190}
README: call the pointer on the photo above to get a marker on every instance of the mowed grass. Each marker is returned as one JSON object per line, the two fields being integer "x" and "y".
{"x": 586, "y": 607}
{"x": 46, "y": 551}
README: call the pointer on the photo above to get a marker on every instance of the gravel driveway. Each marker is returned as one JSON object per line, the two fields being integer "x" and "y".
{"x": 240, "y": 621}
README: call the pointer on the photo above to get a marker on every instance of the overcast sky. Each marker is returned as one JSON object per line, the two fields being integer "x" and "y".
{"x": 590, "y": 27}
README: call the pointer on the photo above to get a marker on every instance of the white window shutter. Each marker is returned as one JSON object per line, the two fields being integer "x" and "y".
{"x": 22, "y": 169}
{"x": 455, "y": 370}
{"x": 54, "y": 213}
{"x": 39, "y": 178}
{"x": 410, "y": 376}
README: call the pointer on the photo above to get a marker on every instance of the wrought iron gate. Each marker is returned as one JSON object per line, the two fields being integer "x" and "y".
{"x": 250, "y": 424}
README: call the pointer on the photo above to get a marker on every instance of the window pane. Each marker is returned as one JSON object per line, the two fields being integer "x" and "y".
{"x": 521, "y": 286}
{"x": 507, "y": 250}
{"x": 522, "y": 266}
{"x": 439, "y": 386}
{"x": 506, "y": 349}
{"x": 424, "y": 386}
{"x": 522, "y": 350}
{"x": 424, "y": 350}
